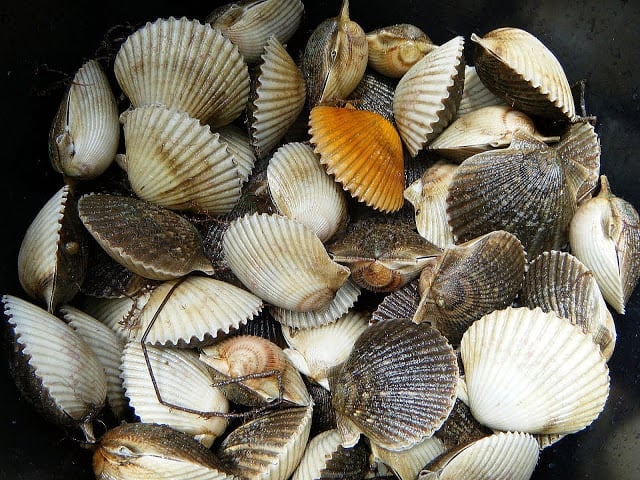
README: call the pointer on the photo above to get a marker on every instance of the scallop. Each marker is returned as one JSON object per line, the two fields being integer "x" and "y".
{"x": 460, "y": 428}
{"x": 85, "y": 133}
{"x": 239, "y": 145}
{"x": 374, "y": 93}
{"x": 407, "y": 464}
{"x": 475, "y": 94}
{"x": 401, "y": 303}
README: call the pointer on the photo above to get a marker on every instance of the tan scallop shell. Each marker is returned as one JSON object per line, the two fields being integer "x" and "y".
{"x": 195, "y": 311}
{"x": 282, "y": 261}
{"x": 238, "y": 143}
{"x": 85, "y": 133}
{"x": 407, "y": 464}
{"x": 164, "y": 246}
{"x": 363, "y": 151}
{"x": 249, "y": 24}
{"x": 303, "y": 191}
{"x": 475, "y": 94}
{"x": 532, "y": 371}
{"x": 518, "y": 67}
{"x": 280, "y": 95}
{"x": 427, "y": 96}
{"x": 183, "y": 381}
{"x": 185, "y": 66}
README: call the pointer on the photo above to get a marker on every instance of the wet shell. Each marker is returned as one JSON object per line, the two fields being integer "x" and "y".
{"x": 302, "y": 190}
{"x": 197, "y": 408}
{"x": 532, "y": 371}
{"x": 185, "y": 66}
{"x": 393, "y": 50}
{"x": 150, "y": 240}
{"x": 196, "y": 310}
{"x": 177, "y": 163}
{"x": 363, "y": 151}
{"x": 559, "y": 282}
{"x": 249, "y": 24}
{"x": 374, "y": 93}
{"x": 518, "y": 67}
{"x": 474, "y": 94}
{"x": 326, "y": 458}
{"x": 401, "y": 303}
{"x": 139, "y": 451}
{"x": 397, "y": 387}
{"x": 279, "y": 98}
{"x": 282, "y": 261}
{"x": 53, "y": 367}
{"x": 52, "y": 260}
{"x": 427, "y": 96}
{"x": 471, "y": 280}
{"x": 85, "y": 133}
{"x": 428, "y": 195}
{"x": 269, "y": 447}
{"x": 240, "y": 147}
{"x": 408, "y": 463}
{"x": 605, "y": 235}
{"x": 271, "y": 375}
{"x": 314, "y": 351}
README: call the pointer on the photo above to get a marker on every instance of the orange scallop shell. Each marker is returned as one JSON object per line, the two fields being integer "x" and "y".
{"x": 363, "y": 151}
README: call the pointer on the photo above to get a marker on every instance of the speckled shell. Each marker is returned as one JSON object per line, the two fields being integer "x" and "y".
{"x": 186, "y": 66}
{"x": 517, "y": 66}
{"x": 249, "y": 24}
{"x": 177, "y": 163}
{"x": 460, "y": 428}
{"x": 532, "y": 371}
{"x": 85, "y": 133}
{"x": 427, "y": 96}
{"x": 397, "y": 387}
{"x": 401, "y": 303}
{"x": 475, "y": 94}
{"x": 303, "y": 191}
{"x": 282, "y": 261}
{"x": 408, "y": 463}
{"x": 363, "y": 151}
{"x": 149, "y": 240}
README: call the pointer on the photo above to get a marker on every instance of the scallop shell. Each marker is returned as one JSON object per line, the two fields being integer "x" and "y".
{"x": 460, "y": 428}
{"x": 270, "y": 446}
{"x": 397, "y": 387}
{"x": 605, "y": 235}
{"x": 517, "y": 66}
{"x": 532, "y": 371}
{"x": 52, "y": 366}
{"x": 427, "y": 96}
{"x": 185, "y": 66}
{"x": 559, "y": 282}
{"x": 170, "y": 248}
{"x": 314, "y": 351}
{"x": 471, "y": 280}
{"x": 238, "y": 143}
{"x": 282, "y": 261}
{"x": 280, "y": 95}
{"x": 579, "y": 151}
{"x": 400, "y": 303}
{"x": 249, "y": 24}
{"x": 85, "y": 133}
{"x": 52, "y": 260}
{"x": 407, "y": 464}
{"x": 302, "y": 190}
{"x": 363, "y": 151}
{"x": 393, "y": 50}
{"x": 177, "y": 163}
{"x": 183, "y": 382}
{"x": 324, "y": 417}
{"x": 374, "y": 93}
{"x": 474, "y": 94}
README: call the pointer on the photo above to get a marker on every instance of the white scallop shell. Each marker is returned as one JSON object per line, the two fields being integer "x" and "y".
{"x": 475, "y": 94}
{"x": 119, "y": 314}
{"x": 238, "y": 143}
{"x": 407, "y": 464}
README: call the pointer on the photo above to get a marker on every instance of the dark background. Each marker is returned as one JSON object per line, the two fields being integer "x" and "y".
{"x": 44, "y": 43}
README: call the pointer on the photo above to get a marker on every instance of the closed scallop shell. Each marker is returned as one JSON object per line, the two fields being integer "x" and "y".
{"x": 177, "y": 163}
{"x": 239, "y": 145}
{"x": 363, "y": 151}
{"x": 85, "y": 133}
{"x": 397, "y": 387}
{"x": 149, "y": 240}
{"x": 533, "y": 371}
{"x": 282, "y": 261}
{"x": 303, "y": 191}
{"x": 407, "y": 464}
{"x": 517, "y": 66}
{"x": 185, "y": 66}
{"x": 475, "y": 94}
{"x": 427, "y": 96}
{"x": 195, "y": 406}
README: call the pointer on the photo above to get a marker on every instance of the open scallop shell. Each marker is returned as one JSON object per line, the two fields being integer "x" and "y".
{"x": 532, "y": 371}
{"x": 177, "y": 163}
{"x": 427, "y": 96}
{"x": 363, "y": 151}
{"x": 282, "y": 261}
{"x": 149, "y": 240}
{"x": 397, "y": 387}
{"x": 185, "y": 66}
{"x": 475, "y": 94}
{"x": 407, "y": 464}
{"x": 183, "y": 381}
{"x": 302, "y": 190}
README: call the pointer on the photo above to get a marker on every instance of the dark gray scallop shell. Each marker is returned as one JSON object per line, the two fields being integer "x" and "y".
{"x": 401, "y": 303}
{"x": 375, "y": 94}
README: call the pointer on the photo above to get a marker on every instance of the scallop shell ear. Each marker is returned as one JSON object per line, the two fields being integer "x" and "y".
{"x": 475, "y": 94}
{"x": 163, "y": 62}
